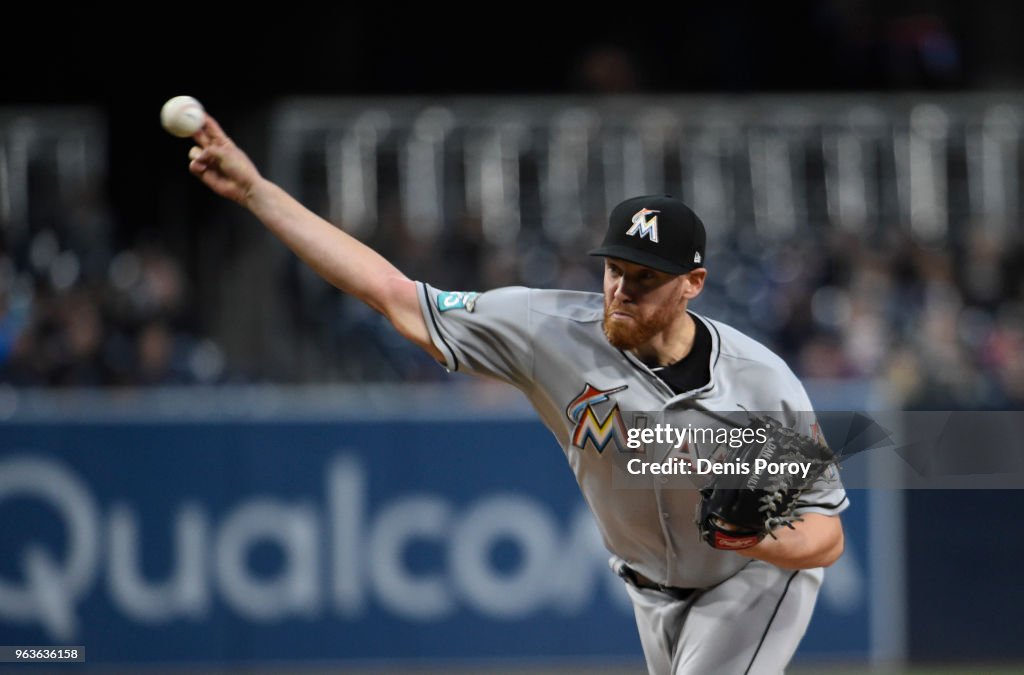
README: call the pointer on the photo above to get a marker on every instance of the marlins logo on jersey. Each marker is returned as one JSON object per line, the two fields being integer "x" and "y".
{"x": 588, "y": 426}
{"x": 643, "y": 227}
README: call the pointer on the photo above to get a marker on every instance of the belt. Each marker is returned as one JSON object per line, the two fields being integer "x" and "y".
{"x": 640, "y": 581}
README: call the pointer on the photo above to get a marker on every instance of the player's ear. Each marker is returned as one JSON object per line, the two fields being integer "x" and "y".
{"x": 693, "y": 282}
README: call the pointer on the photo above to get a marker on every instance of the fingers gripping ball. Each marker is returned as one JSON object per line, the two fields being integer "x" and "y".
{"x": 182, "y": 116}
{"x": 737, "y": 512}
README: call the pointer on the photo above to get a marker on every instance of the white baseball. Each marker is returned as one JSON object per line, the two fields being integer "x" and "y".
{"x": 182, "y": 116}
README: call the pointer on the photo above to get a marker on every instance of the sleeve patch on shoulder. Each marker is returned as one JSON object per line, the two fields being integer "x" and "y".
{"x": 448, "y": 300}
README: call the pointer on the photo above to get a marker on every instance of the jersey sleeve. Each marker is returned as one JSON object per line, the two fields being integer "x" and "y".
{"x": 485, "y": 334}
{"x": 826, "y": 495}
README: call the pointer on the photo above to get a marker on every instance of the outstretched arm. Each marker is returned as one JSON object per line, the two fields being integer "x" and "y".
{"x": 340, "y": 259}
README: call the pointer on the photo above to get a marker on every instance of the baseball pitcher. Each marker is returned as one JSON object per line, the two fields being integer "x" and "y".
{"x": 723, "y": 576}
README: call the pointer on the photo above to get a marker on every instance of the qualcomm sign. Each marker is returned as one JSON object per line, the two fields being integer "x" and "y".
{"x": 341, "y": 553}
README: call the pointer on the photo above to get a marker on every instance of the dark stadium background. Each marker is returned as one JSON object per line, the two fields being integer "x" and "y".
{"x": 237, "y": 57}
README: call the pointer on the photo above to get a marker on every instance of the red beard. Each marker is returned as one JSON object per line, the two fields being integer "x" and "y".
{"x": 625, "y": 334}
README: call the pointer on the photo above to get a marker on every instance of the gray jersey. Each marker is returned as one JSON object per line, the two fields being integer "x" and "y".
{"x": 550, "y": 345}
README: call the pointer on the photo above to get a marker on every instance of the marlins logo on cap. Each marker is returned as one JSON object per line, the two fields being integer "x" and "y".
{"x": 644, "y": 227}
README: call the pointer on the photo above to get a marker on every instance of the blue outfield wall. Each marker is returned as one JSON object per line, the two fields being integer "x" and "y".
{"x": 231, "y": 541}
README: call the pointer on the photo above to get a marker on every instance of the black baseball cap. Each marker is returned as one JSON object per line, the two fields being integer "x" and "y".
{"x": 657, "y": 231}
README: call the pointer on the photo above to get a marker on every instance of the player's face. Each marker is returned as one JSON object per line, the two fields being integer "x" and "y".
{"x": 640, "y": 302}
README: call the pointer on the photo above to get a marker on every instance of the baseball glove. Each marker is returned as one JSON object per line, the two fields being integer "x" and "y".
{"x": 738, "y": 511}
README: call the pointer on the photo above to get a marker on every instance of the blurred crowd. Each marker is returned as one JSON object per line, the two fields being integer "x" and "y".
{"x": 64, "y": 324}
{"x": 942, "y": 325}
